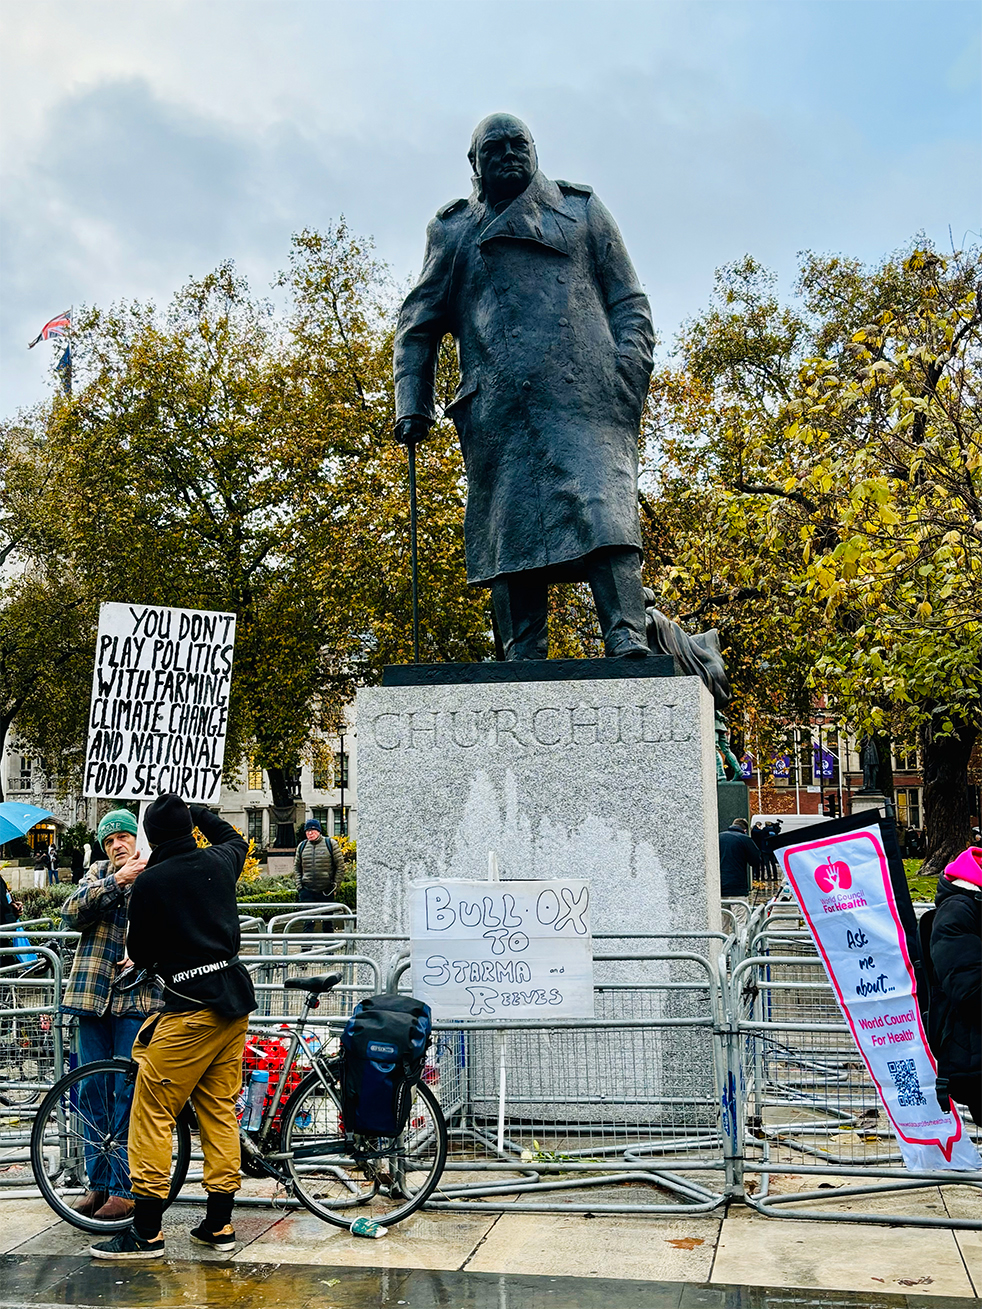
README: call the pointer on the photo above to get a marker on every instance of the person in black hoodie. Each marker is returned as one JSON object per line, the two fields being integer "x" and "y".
{"x": 956, "y": 958}
{"x": 184, "y": 926}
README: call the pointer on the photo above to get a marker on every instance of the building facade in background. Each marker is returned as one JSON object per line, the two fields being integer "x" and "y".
{"x": 328, "y": 792}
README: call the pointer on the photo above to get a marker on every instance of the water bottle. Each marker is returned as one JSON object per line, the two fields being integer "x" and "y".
{"x": 366, "y": 1227}
{"x": 258, "y": 1086}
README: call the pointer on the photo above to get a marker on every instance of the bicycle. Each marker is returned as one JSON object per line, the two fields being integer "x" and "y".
{"x": 300, "y": 1143}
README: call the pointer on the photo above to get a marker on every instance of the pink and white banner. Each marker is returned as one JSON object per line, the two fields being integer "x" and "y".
{"x": 842, "y": 883}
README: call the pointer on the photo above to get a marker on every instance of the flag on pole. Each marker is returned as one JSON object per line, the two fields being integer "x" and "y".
{"x": 59, "y": 326}
{"x": 64, "y": 370}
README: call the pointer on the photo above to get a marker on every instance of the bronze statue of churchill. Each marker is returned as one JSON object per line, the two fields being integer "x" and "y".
{"x": 554, "y": 342}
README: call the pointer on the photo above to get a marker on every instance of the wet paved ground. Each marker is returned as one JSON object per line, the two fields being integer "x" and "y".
{"x": 513, "y": 1260}
{"x": 64, "y": 1280}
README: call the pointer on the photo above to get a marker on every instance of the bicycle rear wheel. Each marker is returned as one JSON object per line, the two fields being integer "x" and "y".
{"x": 382, "y": 1178}
{"x": 79, "y": 1140}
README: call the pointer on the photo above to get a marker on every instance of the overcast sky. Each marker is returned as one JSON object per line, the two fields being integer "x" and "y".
{"x": 144, "y": 142}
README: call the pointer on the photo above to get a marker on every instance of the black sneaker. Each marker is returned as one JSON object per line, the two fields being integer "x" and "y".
{"x": 223, "y": 1239}
{"x": 128, "y": 1244}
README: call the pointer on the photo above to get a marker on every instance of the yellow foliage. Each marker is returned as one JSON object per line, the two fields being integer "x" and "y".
{"x": 252, "y": 868}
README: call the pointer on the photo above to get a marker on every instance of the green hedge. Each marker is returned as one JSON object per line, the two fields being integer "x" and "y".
{"x": 46, "y": 901}
{"x": 283, "y": 890}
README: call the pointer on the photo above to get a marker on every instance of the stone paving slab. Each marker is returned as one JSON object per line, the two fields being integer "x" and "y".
{"x": 20, "y": 1220}
{"x": 429, "y": 1240}
{"x": 609, "y": 1245}
{"x": 966, "y": 1202}
{"x": 839, "y": 1256}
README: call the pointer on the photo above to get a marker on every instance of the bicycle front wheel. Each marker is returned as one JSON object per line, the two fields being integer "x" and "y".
{"x": 340, "y": 1179}
{"x": 79, "y": 1140}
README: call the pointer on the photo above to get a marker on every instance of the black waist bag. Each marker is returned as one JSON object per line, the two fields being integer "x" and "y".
{"x": 383, "y": 1052}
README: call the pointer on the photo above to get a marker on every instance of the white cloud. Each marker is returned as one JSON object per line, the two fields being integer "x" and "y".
{"x": 144, "y": 143}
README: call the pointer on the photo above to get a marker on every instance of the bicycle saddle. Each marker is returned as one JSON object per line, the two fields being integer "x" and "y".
{"x": 315, "y": 985}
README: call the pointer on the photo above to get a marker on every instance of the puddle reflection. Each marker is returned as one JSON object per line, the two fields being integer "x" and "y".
{"x": 35, "y": 1280}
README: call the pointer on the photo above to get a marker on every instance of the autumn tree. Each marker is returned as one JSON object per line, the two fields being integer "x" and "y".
{"x": 222, "y": 456}
{"x": 46, "y": 629}
{"x": 820, "y": 495}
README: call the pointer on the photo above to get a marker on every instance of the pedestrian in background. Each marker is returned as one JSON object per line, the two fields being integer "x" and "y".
{"x": 78, "y": 866}
{"x": 738, "y": 855}
{"x": 318, "y": 866}
{"x": 41, "y": 869}
{"x": 52, "y": 865}
{"x": 10, "y": 909}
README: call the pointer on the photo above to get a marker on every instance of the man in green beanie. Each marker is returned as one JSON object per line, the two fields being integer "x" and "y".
{"x": 107, "y": 1020}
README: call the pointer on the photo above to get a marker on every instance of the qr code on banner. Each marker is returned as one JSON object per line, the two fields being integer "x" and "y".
{"x": 904, "y": 1074}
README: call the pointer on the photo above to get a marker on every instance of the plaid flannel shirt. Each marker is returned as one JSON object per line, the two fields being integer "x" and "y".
{"x": 98, "y": 910}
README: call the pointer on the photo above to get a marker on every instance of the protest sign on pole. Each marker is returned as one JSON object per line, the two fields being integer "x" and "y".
{"x": 503, "y": 950}
{"x": 843, "y": 886}
{"x": 159, "y": 710}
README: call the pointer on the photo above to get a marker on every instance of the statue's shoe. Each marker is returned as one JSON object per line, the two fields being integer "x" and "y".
{"x": 630, "y": 651}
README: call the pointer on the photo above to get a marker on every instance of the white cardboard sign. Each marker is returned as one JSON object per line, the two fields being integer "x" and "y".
{"x": 159, "y": 710}
{"x": 503, "y": 950}
{"x": 842, "y": 884}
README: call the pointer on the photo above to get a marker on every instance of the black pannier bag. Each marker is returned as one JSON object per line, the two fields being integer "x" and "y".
{"x": 383, "y": 1049}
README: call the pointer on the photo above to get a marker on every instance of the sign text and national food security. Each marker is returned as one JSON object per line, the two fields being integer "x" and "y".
{"x": 842, "y": 883}
{"x": 503, "y": 950}
{"x": 159, "y": 711}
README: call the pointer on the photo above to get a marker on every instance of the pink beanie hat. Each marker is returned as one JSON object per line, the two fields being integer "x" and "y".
{"x": 968, "y": 866}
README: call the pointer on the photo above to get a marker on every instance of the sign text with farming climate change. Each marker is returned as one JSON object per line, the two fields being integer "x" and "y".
{"x": 159, "y": 711}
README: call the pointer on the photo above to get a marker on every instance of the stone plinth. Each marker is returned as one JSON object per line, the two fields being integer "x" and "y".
{"x": 870, "y": 801}
{"x": 609, "y": 777}
{"x": 612, "y": 779}
{"x": 732, "y": 802}
{"x": 279, "y": 862}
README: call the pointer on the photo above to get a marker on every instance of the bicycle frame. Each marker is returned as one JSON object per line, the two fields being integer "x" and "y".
{"x": 257, "y": 1146}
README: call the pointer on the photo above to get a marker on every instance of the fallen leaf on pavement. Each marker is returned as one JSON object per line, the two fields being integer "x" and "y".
{"x": 686, "y": 1242}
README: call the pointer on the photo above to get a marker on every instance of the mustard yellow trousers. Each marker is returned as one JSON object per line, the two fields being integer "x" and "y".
{"x": 194, "y": 1056}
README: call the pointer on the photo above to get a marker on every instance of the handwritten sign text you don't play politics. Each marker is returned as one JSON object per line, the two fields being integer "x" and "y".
{"x": 159, "y": 711}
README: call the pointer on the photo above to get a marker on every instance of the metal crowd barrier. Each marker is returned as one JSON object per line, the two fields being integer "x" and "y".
{"x": 31, "y": 1049}
{"x": 717, "y": 1067}
{"x": 806, "y": 1105}
{"x": 615, "y": 1114}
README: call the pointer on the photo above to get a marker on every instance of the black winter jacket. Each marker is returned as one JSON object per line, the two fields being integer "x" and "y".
{"x": 184, "y": 920}
{"x": 736, "y": 852}
{"x": 956, "y": 955}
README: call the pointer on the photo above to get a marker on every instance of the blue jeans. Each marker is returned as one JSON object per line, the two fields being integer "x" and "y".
{"x": 104, "y": 1102}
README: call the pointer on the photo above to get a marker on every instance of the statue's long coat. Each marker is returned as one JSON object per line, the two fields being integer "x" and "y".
{"x": 554, "y": 341}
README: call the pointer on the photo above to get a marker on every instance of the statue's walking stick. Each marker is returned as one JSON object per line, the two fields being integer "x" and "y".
{"x": 412, "y": 547}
